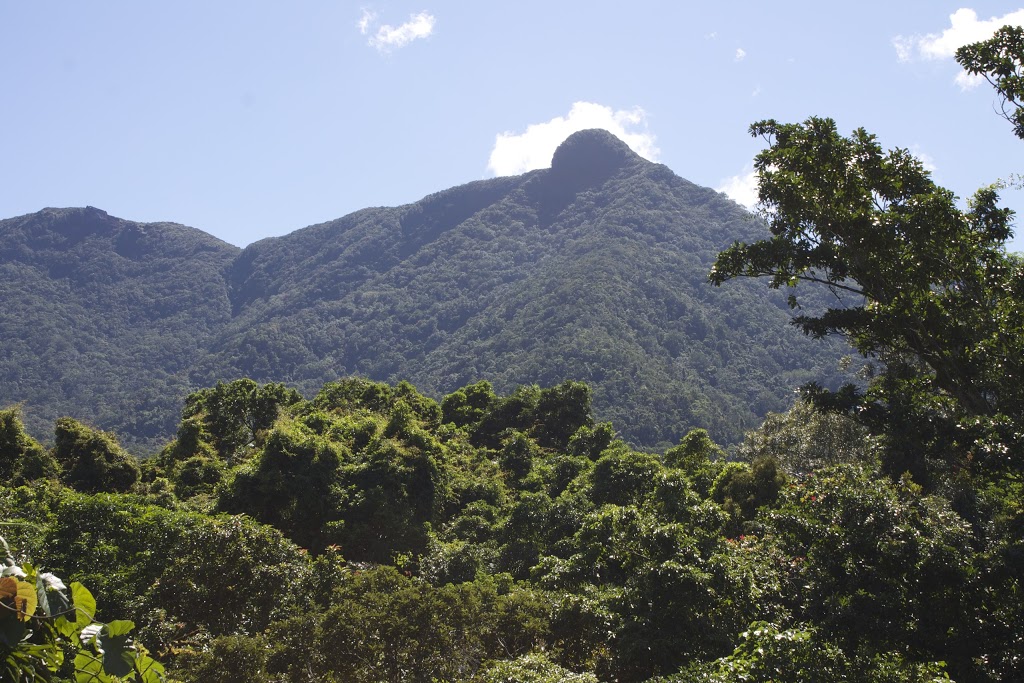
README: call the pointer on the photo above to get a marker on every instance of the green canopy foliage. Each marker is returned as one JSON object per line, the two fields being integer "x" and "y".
{"x": 806, "y": 438}
{"x": 92, "y": 461}
{"x": 378, "y": 535}
{"x": 22, "y": 459}
{"x": 1000, "y": 60}
{"x": 920, "y": 284}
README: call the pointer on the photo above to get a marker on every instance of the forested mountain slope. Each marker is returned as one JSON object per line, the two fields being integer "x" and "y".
{"x": 103, "y": 318}
{"x": 594, "y": 269}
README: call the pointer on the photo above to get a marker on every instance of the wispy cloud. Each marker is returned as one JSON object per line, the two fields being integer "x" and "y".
{"x": 964, "y": 28}
{"x": 740, "y": 54}
{"x": 365, "y": 21}
{"x": 515, "y": 153}
{"x": 741, "y": 188}
{"x": 387, "y": 37}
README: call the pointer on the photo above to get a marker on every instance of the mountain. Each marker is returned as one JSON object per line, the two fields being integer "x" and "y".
{"x": 103, "y": 317}
{"x": 594, "y": 269}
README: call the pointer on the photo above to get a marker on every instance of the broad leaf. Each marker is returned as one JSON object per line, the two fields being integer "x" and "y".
{"x": 89, "y": 668}
{"x": 85, "y": 604}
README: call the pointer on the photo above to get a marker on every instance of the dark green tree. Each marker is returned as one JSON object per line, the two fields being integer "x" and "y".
{"x": 919, "y": 283}
{"x": 1000, "y": 59}
{"x": 699, "y": 457}
{"x": 624, "y": 477}
{"x": 561, "y": 412}
{"x": 91, "y": 461}
{"x": 235, "y": 413}
{"x": 878, "y": 567}
{"x": 743, "y": 489}
{"x": 22, "y": 459}
{"x": 292, "y": 484}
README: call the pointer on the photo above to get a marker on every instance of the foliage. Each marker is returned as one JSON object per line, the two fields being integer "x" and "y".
{"x": 919, "y": 283}
{"x": 22, "y": 459}
{"x": 743, "y": 489}
{"x": 768, "y": 653}
{"x": 234, "y": 414}
{"x": 872, "y": 549}
{"x": 180, "y": 576}
{"x": 92, "y": 461}
{"x": 805, "y": 438}
{"x": 531, "y": 668}
{"x": 1000, "y": 60}
{"x": 699, "y": 457}
{"x": 48, "y": 629}
{"x": 465, "y": 541}
{"x": 547, "y": 277}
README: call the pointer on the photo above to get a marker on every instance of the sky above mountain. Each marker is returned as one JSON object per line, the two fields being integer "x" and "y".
{"x": 252, "y": 119}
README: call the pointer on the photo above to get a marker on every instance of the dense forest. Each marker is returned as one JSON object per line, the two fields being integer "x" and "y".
{"x": 369, "y": 532}
{"x": 559, "y": 274}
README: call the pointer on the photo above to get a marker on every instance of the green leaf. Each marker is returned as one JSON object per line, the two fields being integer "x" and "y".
{"x": 66, "y": 628}
{"x": 85, "y": 604}
{"x": 119, "y": 627}
{"x": 41, "y": 598}
{"x": 89, "y": 668}
{"x": 51, "y": 600}
{"x": 150, "y": 670}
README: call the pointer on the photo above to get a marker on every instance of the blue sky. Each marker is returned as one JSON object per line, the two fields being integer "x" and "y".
{"x": 252, "y": 119}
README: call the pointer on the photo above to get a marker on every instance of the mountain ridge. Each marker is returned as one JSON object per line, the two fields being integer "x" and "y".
{"x": 593, "y": 269}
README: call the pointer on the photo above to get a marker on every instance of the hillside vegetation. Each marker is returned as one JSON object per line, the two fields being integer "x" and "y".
{"x": 593, "y": 270}
{"x": 373, "y": 534}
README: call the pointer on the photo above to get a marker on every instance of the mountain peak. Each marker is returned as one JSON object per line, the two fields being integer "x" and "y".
{"x": 591, "y": 150}
{"x": 587, "y": 159}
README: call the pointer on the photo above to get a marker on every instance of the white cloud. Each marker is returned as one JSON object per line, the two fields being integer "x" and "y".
{"x": 740, "y": 54}
{"x": 365, "y": 20}
{"x": 904, "y": 48}
{"x": 742, "y": 188}
{"x": 964, "y": 28}
{"x": 387, "y": 38}
{"x": 967, "y": 81}
{"x": 517, "y": 153}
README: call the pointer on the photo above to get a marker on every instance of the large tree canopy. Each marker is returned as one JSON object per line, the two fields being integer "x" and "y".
{"x": 919, "y": 282}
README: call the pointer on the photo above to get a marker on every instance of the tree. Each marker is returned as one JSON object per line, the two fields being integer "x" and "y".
{"x": 804, "y": 439}
{"x": 1000, "y": 59}
{"x": 22, "y": 459}
{"x": 742, "y": 489}
{"x": 924, "y": 286}
{"x": 92, "y": 461}
{"x": 699, "y": 457}
{"x": 561, "y": 412}
{"x": 531, "y": 668}
{"x": 879, "y": 567}
{"x": 468, "y": 405}
{"x": 292, "y": 484}
{"x": 236, "y": 412}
